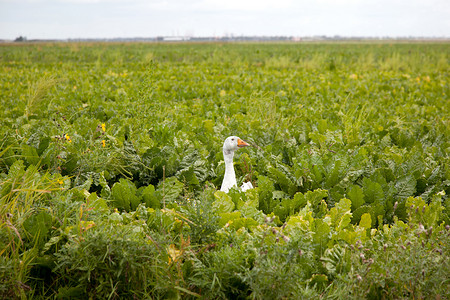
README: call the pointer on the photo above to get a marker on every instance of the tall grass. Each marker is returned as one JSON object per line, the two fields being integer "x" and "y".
{"x": 19, "y": 193}
{"x": 36, "y": 98}
{"x": 366, "y": 62}
{"x": 316, "y": 61}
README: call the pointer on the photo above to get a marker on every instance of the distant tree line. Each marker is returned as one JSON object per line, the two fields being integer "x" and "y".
{"x": 21, "y": 39}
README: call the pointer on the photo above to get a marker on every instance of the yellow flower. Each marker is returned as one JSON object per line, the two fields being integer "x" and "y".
{"x": 85, "y": 225}
{"x": 68, "y": 138}
{"x": 103, "y": 127}
{"x": 103, "y": 143}
{"x": 174, "y": 253}
{"x": 223, "y": 93}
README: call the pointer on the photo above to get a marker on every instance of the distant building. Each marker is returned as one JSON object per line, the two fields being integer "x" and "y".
{"x": 175, "y": 38}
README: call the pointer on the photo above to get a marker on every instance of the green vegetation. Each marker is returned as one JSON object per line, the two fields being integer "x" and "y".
{"x": 111, "y": 161}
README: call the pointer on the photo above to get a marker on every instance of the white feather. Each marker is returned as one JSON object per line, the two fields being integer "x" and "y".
{"x": 246, "y": 186}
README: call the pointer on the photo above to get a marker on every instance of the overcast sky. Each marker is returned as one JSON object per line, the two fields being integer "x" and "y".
{"x": 61, "y": 19}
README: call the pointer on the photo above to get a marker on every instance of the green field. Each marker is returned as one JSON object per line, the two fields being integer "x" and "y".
{"x": 111, "y": 164}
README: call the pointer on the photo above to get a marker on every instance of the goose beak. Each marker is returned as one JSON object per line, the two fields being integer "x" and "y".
{"x": 241, "y": 143}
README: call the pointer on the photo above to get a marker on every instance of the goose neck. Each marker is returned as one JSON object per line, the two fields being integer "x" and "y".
{"x": 229, "y": 167}
{"x": 228, "y": 157}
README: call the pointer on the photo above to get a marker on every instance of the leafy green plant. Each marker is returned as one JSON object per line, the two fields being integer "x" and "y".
{"x": 118, "y": 176}
{"x": 407, "y": 264}
{"x": 107, "y": 263}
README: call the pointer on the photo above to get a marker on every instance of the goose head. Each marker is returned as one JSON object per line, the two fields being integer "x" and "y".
{"x": 233, "y": 143}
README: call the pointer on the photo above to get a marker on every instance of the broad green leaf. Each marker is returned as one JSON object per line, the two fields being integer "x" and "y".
{"x": 280, "y": 176}
{"x": 334, "y": 176}
{"x": 265, "y": 190}
{"x": 38, "y": 226}
{"x": 300, "y": 200}
{"x": 149, "y": 197}
{"x": 223, "y": 202}
{"x": 237, "y": 196}
{"x": 357, "y": 214}
{"x": 106, "y": 190}
{"x": 298, "y": 224}
{"x": 17, "y": 170}
{"x": 356, "y": 195}
{"x": 228, "y": 216}
{"x": 366, "y": 221}
{"x": 250, "y": 207}
{"x": 343, "y": 206}
{"x": 373, "y": 192}
{"x": 314, "y": 197}
{"x": 284, "y": 209}
{"x": 344, "y": 221}
{"x": 238, "y": 223}
{"x": 86, "y": 185}
{"x": 405, "y": 186}
{"x": 321, "y": 231}
{"x": 170, "y": 189}
{"x": 340, "y": 214}
{"x": 318, "y": 174}
{"x": 188, "y": 176}
{"x": 30, "y": 154}
{"x": 124, "y": 195}
{"x": 99, "y": 204}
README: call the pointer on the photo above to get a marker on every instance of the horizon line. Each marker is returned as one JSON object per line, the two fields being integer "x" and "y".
{"x": 230, "y": 37}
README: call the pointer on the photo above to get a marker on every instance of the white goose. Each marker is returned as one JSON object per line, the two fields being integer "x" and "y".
{"x": 231, "y": 144}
